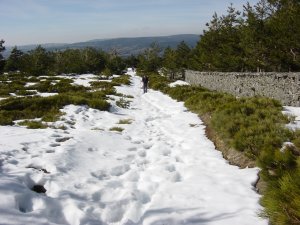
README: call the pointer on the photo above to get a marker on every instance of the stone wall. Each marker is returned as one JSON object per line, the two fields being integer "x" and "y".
{"x": 284, "y": 87}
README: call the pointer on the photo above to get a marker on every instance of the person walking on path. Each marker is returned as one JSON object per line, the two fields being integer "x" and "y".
{"x": 145, "y": 81}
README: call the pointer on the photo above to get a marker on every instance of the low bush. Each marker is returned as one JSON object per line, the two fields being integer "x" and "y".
{"x": 47, "y": 107}
{"x": 33, "y": 124}
{"x": 123, "y": 79}
{"x": 158, "y": 82}
{"x": 26, "y": 92}
{"x": 63, "y": 86}
{"x": 123, "y": 103}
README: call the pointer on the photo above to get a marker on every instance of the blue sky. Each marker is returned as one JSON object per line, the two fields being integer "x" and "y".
{"x": 68, "y": 21}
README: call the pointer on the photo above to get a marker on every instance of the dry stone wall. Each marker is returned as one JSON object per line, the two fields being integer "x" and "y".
{"x": 284, "y": 87}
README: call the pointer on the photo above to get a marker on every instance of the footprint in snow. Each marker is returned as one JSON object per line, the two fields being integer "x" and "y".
{"x": 142, "y": 163}
{"x": 92, "y": 149}
{"x": 132, "y": 149}
{"x": 13, "y": 161}
{"x": 129, "y": 158}
{"x": 166, "y": 152}
{"x": 147, "y": 146}
{"x": 56, "y": 135}
{"x": 50, "y": 151}
{"x": 54, "y": 145}
{"x": 142, "y": 153}
{"x": 62, "y": 139}
{"x": 170, "y": 168}
{"x": 101, "y": 174}
{"x": 132, "y": 176}
{"x": 175, "y": 177}
{"x": 119, "y": 170}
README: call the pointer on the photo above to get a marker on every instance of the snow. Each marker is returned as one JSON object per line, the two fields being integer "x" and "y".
{"x": 47, "y": 94}
{"x": 161, "y": 169}
{"x": 28, "y": 84}
{"x": 293, "y": 112}
{"x": 85, "y": 79}
{"x": 178, "y": 83}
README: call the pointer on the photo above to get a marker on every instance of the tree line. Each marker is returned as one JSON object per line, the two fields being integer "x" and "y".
{"x": 260, "y": 38}
{"x": 42, "y": 62}
{"x": 263, "y": 37}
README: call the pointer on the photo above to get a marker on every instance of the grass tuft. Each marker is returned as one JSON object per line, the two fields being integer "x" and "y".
{"x": 33, "y": 124}
{"x": 125, "y": 121}
{"x": 118, "y": 129}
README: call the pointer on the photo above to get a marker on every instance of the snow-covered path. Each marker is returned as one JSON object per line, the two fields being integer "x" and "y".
{"x": 160, "y": 170}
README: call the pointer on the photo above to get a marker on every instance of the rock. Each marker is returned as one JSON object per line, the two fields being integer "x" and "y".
{"x": 38, "y": 188}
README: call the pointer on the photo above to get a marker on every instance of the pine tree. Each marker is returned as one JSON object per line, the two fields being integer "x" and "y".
{"x": 149, "y": 60}
{"x": 285, "y": 23}
{"x": 219, "y": 47}
{"x": 183, "y": 55}
{"x": 14, "y": 61}
{"x": 2, "y": 48}
{"x": 170, "y": 62}
{"x": 39, "y": 61}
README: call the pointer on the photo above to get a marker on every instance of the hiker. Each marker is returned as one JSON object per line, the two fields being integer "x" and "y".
{"x": 145, "y": 81}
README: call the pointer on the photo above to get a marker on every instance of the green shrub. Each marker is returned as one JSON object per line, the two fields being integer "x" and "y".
{"x": 47, "y": 107}
{"x": 122, "y": 103}
{"x": 107, "y": 88}
{"x": 181, "y": 93}
{"x": 158, "y": 82}
{"x": 63, "y": 86}
{"x": 123, "y": 79}
{"x": 282, "y": 199}
{"x": 99, "y": 104}
{"x": 25, "y": 92}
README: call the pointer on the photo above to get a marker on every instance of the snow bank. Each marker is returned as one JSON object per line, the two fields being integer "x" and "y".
{"x": 293, "y": 112}
{"x": 178, "y": 83}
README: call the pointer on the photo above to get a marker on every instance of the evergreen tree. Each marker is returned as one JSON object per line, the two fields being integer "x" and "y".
{"x": 39, "y": 61}
{"x": 183, "y": 55}
{"x": 70, "y": 61}
{"x": 218, "y": 48}
{"x": 285, "y": 24}
{"x": 115, "y": 64}
{"x": 93, "y": 60}
{"x": 150, "y": 60}
{"x": 170, "y": 62}
{"x": 132, "y": 61}
{"x": 2, "y": 48}
{"x": 15, "y": 60}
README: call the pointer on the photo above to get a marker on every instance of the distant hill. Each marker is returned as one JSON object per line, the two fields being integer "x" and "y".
{"x": 124, "y": 46}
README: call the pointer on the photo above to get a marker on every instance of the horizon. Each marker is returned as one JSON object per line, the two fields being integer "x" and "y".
{"x": 96, "y": 39}
{"x": 72, "y": 21}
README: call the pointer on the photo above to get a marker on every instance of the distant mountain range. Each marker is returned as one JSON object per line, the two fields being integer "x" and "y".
{"x": 123, "y": 46}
